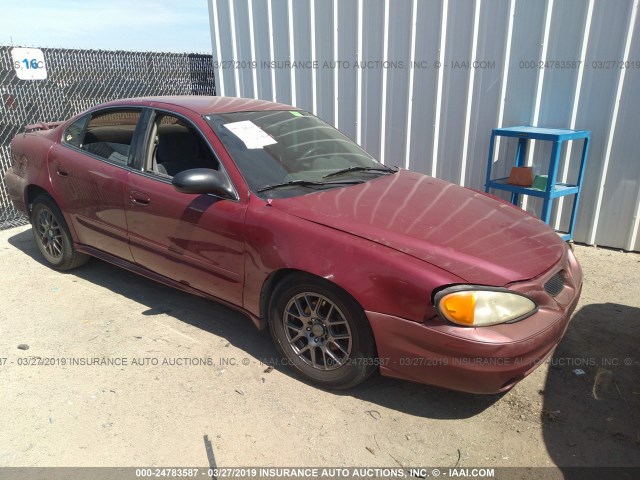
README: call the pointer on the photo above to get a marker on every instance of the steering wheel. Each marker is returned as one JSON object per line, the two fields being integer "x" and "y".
{"x": 307, "y": 158}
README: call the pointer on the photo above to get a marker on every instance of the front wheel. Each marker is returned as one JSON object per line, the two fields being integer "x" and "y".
{"x": 52, "y": 235}
{"x": 322, "y": 331}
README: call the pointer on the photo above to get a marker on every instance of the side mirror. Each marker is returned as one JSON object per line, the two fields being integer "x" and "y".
{"x": 203, "y": 181}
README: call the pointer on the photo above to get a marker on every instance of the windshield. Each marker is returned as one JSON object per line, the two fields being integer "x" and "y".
{"x": 282, "y": 153}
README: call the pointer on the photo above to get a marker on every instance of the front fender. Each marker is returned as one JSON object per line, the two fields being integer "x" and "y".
{"x": 381, "y": 279}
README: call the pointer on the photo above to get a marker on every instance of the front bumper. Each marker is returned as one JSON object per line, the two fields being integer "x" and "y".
{"x": 485, "y": 359}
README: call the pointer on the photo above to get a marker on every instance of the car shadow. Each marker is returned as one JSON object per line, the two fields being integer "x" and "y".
{"x": 237, "y": 329}
{"x": 591, "y": 412}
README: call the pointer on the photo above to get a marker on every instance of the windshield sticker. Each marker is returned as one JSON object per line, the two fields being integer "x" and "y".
{"x": 295, "y": 113}
{"x": 251, "y": 134}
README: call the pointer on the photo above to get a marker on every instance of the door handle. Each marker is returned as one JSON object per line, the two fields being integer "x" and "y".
{"x": 62, "y": 173}
{"x": 138, "y": 198}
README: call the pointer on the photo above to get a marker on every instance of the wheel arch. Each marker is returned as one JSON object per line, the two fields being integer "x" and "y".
{"x": 361, "y": 348}
{"x": 278, "y": 276}
{"x": 53, "y": 237}
{"x": 32, "y": 192}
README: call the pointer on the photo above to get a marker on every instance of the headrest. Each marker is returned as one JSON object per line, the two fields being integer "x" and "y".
{"x": 176, "y": 143}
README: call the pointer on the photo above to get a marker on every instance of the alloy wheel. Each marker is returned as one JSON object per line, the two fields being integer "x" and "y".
{"x": 49, "y": 233}
{"x": 318, "y": 331}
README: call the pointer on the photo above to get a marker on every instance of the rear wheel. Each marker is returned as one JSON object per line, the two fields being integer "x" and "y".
{"x": 52, "y": 235}
{"x": 322, "y": 331}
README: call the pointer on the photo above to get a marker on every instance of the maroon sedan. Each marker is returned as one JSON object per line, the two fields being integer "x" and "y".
{"x": 353, "y": 265}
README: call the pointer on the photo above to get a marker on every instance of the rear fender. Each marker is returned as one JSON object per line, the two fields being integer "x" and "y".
{"x": 30, "y": 152}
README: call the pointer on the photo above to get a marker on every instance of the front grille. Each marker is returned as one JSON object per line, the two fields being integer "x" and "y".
{"x": 555, "y": 284}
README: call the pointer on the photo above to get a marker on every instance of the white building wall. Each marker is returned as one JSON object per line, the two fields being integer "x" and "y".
{"x": 438, "y": 120}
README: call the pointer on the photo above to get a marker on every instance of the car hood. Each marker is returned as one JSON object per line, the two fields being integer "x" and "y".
{"x": 473, "y": 236}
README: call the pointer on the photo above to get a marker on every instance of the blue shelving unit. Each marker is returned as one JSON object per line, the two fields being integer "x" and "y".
{"x": 554, "y": 189}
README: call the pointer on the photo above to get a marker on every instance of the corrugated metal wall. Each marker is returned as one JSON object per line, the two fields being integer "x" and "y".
{"x": 433, "y": 77}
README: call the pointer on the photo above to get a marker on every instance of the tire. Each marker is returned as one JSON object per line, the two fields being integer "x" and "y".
{"x": 322, "y": 332}
{"x": 52, "y": 236}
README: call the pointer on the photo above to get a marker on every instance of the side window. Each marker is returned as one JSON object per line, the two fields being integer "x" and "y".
{"x": 176, "y": 146}
{"x": 109, "y": 134}
{"x": 75, "y": 133}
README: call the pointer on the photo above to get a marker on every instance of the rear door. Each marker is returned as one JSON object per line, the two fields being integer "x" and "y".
{"x": 89, "y": 170}
{"x": 194, "y": 239}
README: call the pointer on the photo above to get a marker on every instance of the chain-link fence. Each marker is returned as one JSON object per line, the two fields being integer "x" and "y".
{"x": 79, "y": 79}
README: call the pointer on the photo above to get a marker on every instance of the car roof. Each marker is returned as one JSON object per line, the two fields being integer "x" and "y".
{"x": 204, "y": 105}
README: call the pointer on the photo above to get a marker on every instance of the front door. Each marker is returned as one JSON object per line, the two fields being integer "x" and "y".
{"x": 194, "y": 239}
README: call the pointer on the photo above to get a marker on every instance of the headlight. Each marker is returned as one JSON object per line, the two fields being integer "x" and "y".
{"x": 481, "y": 306}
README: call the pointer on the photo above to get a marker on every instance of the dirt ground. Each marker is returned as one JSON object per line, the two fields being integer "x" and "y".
{"x": 167, "y": 404}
